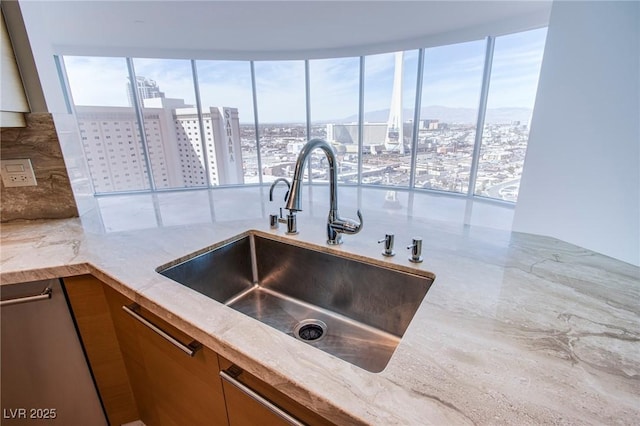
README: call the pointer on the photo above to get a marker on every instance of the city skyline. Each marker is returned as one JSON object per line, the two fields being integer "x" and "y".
{"x": 444, "y": 144}
{"x": 116, "y": 156}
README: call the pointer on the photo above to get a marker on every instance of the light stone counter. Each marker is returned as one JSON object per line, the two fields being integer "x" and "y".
{"x": 516, "y": 329}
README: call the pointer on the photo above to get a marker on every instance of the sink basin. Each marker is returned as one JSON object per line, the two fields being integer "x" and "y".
{"x": 351, "y": 308}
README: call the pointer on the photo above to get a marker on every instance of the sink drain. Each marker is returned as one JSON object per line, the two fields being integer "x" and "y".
{"x": 310, "y": 330}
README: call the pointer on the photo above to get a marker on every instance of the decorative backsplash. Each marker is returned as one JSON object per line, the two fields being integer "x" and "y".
{"x": 52, "y": 198}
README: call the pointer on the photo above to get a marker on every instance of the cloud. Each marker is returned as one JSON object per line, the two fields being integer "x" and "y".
{"x": 226, "y": 84}
{"x": 174, "y": 76}
{"x": 280, "y": 91}
{"x": 334, "y": 88}
{"x": 516, "y": 68}
{"x": 452, "y": 77}
{"x": 97, "y": 81}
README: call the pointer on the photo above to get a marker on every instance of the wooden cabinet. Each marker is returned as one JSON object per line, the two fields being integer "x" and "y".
{"x": 171, "y": 386}
{"x": 45, "y": 378}
{"x": 251, "y": 401}
{"x": 149, "y": 370}
{"x": 140, "y": 374}
{"x": 93, "y": 319}
{"x": 13, "y": 101}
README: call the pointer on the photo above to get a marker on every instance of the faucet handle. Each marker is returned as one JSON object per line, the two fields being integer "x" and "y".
{"x": 273, "y": 221}
{"x": 416, "y": 250}
{"x": 351, "y": 226}
{"x": 292, "y": 223}
{"x": 388, "y": 245}
{"x": 336, "y": 226}
{"x": 290, "y": 220}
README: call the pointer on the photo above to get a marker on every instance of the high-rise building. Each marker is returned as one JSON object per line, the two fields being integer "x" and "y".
{"x": 429, "y": 124}
{"x": 373, "y": 136}
{"x": 221, "y": 144}
{"x": 147, "y": 89}
{"x": 116, "y": 157}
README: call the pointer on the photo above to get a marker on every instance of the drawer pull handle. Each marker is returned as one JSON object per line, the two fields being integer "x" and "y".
{"x": 230, "y": 376}
{"x": 46, "y": 294}
{"x": 189, "y": 349}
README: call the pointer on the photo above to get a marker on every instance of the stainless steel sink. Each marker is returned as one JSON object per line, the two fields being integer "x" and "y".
{"x": 352, "y": 309}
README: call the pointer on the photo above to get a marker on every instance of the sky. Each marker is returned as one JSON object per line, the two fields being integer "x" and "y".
{"x": 452, "y": 77}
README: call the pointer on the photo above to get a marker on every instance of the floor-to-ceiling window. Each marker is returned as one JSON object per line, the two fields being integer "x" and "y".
{"x": 389, "y": 104}
{"x": 334, "y": 103}
{"x": 452, "y": 80}
{"x": 282, "y": 106}
{"x": 208, "y": 123}
{"x": 108, "y": 124}
{"x": 226, "y": 86}
{"x": 514, "y": 80}
{"x": 166, "y": 94}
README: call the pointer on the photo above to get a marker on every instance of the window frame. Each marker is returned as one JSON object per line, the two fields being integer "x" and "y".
{"x": 479, "y": 125}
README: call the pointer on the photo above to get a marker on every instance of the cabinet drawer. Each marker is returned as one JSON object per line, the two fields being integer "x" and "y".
{"x": 245, "y": 409}
{"x": 170, "y": 386}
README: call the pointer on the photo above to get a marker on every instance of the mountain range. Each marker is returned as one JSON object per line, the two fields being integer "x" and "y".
{"x": 450, "y": 115}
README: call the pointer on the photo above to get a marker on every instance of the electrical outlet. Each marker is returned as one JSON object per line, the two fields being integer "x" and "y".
{"x": 17, "y": 172}
{"x": 18, "y": 178}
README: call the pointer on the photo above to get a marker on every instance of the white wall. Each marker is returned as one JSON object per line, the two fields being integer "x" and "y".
{"x": 581, "y": 181}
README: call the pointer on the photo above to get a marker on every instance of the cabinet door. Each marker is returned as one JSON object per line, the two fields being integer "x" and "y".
{"x": 93, "y": 318}
{"x": 251, "y": 401}
{"x": 45, "y": 378}
{"x": 170, "y": 386}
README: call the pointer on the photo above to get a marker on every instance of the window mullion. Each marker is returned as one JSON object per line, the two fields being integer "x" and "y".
{"x": 416, "y": 121}
{"x": 203, "y": 142}
{"x": 308, "y": 110}
{"x": 137, "y": 105}
{"x": 482, "y": 109}
{"x": 361, "y": 120}
{"x": 255, "y": 116}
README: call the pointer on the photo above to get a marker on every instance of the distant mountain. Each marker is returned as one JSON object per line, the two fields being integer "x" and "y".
{"x": 450, "y": 115}
{"x": 507, "y": 115}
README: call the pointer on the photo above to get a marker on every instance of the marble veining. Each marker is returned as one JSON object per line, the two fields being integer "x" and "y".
{"x": 516, "y": 329}
{"x": 52, "y": 198}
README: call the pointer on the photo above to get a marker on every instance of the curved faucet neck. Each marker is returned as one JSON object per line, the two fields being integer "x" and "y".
{"x": 293, "y": 203}
{"x": 275, "y": 183}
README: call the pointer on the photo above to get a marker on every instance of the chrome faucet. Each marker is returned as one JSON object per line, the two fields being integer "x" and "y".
{"x": 291, "y": 217}
{"x": 335, "y": 224}
{"x": 276, "y": 182}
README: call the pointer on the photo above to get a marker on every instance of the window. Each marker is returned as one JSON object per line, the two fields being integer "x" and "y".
{"x": 334, "y": 101}
{"x": 389, "y": 103}
{"x": 445, "y": 150}
{"x": 227, "y": 84}
{"x": 452, "y": 80}
{"x": 281, "y": 99}
{"x": 98, "y": 90}
{"x": 514, "y": 79}
{"x": 166, "y": 93}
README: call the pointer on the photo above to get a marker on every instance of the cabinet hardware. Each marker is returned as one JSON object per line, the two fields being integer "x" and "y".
{"x": 230, "y": 375}
{"x": 189, "y": 349}
{"x": 46, "y": 294}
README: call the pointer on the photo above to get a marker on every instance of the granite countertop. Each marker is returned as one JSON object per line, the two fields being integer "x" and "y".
{"x": 516, "y": 329}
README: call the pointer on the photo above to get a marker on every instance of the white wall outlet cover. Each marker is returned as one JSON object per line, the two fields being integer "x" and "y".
{"x": 17, "y": 172}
